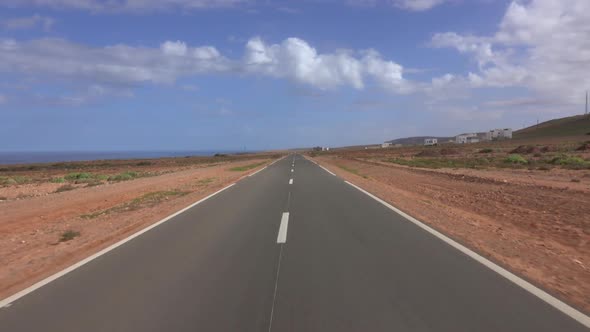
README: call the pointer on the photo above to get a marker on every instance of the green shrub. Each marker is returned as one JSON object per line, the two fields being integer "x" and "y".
{"x": 486, "y": 150}
{"x": 68, "y": 235}
{"x": 8, "y": 181}
{"x": 568, "y": 160}
{"x": 78, "y": 176}
{"x": 125, "y": 176}
{"x": 516, "y": 159}
{"x": 57, "y": 180}
{"x": 246, "y": 167}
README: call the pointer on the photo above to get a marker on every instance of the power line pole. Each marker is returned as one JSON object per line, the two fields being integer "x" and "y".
{"x": 586, "y": 112}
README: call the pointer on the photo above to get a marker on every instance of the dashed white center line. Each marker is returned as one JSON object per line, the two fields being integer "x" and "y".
{"x": 291, "y": 181}
{"x": 292, "y": 170}
{"x": 282, "y": 237}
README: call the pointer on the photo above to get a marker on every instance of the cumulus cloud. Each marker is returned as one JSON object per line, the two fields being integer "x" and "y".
{"x": 124, "y": 5}
{"x": 542, "y": 45}
{"x": 117, "y": 64}
{"x": 126, "y": 66}
{"x": 295, "y": 59}
{"x": 28, "y": 22}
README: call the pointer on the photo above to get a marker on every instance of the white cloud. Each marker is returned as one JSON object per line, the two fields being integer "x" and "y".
{"x": 117, "y": 64}
{"x": 295, "y": 59}
{"x": 177, "y": 48}
{"x": 412, "y": 5}
{"x": 138, "y": 6}
{"x": 124, "y": 5}
{"x": 124, "y": 66}
{"x": 28, "y": 22}
{"x": 541, "y": 45}
{"x": 417, "y": 5}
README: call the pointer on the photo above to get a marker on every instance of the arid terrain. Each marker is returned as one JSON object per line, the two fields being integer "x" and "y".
{"x": 522, "y": 203}
{"x": 52, "y": 215}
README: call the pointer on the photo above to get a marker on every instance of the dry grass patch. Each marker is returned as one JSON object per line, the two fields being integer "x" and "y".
{"x": 147, "y": 200}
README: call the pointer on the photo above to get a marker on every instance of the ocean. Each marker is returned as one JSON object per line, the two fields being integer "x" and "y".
{"x": 61, "y": 156}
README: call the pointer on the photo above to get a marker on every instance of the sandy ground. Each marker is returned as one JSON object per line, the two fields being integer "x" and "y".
{"x": 536, "y": 224}
{"x": 31, "y": 226}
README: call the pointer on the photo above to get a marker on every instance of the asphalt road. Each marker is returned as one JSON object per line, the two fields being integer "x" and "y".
{"x": 338, "y": 261}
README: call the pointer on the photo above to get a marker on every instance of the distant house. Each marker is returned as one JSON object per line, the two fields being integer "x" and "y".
{"x": 430, "y": 141}
{"x": 467, "y": 138}
{"x": 485, "y": 136}
{"x": 507, "y": 133}
{"x": 386, "y": 145}
{"x": 498, "y": 134}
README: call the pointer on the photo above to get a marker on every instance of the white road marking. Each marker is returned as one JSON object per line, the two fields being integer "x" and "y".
{"x": 260, "y": 170}
{"x": 291, "y": 181}
{"x": 325, "y": 169}
{"x": 9, "y": 300}
{"x": 291, "y": 170}
{"x": 541, "y": 294}
{"x": 277, "y": 160}
{"x": 282, "y": 237}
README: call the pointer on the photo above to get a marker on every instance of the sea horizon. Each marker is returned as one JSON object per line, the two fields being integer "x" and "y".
{"x": 32, "y": 157}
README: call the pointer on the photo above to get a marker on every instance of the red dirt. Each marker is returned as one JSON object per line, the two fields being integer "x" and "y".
{"x": 534, "y": 223}
{"x": 30, "y": 227}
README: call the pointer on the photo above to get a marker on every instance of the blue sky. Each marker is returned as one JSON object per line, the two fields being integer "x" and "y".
{"x": 233, "y": 74}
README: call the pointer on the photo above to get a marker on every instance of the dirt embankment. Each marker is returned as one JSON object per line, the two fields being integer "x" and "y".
{"x": 536, "y": 224}
{"x": 42, "y": 234}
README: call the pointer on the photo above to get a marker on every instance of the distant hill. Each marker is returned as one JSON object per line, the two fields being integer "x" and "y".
{"x": 569, "y": 126}
{"x": 418, "y": 140}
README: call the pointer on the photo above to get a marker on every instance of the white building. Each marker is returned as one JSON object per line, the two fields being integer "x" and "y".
{"x": 485, "y": 136}
{"x": 505, "y": 133}
{"x": 430, "y": 141}
{"x": 466, "y": 138}
{"x": 386, "y": 145}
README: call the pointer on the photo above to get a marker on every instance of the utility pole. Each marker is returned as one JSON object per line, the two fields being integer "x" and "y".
{"x": 586, "y": 112}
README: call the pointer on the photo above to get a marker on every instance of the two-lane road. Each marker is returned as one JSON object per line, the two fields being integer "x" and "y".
{"x": 291, "y": 248}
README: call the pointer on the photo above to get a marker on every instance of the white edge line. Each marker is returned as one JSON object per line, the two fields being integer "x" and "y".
{"x": 325, "y": 169}
{"x": 9, "y": 300}
{"x": 541, "y": 294}
{"x": 260, "y": 170}
{"x": 282, "y": 237}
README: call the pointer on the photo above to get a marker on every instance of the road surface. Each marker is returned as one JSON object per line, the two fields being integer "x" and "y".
{"x": 291, "y": 248}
